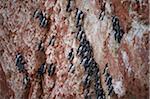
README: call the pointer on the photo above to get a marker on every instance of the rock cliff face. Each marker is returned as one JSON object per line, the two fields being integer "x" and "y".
{"x": 74, "y": 49}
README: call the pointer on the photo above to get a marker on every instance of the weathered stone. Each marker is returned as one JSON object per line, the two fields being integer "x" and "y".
{"x": 86, "y": 27}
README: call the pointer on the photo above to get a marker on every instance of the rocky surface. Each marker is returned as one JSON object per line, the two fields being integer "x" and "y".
{"x": 40, "y": 39}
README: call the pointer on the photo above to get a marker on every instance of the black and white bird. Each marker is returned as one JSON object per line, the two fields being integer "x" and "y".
{"x": 69, "y": 6}
{"x": 86, "y": 81}
{"x": 79, "y": 17}
{"x": 52, "y": 41}
{"x": 118, "y": 31}
{"x": 70, "y": 56}
{"x": 20, "y": 63}
{"x": 110, "y": 90}
{"x": 43, "y": 22}
{"x": 42, "y": 69}
{"x": 26, "y": 81}
{"x": 71, "y": 68}
{"x": 51, "y": 69}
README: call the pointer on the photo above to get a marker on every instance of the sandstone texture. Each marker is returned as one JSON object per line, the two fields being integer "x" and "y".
{"x": 41, "y": 41}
